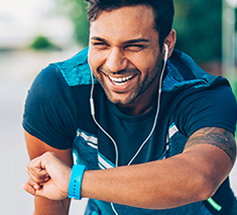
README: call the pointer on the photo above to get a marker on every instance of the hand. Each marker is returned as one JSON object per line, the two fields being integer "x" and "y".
{"x": 48, "y": 177}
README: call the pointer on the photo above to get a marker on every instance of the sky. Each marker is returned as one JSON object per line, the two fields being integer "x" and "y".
{"x": 232, "y": 3}
{"x": 28, "y": 18}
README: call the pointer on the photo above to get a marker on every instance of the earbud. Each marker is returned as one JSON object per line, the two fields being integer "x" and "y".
{"x": 166, "y": 52}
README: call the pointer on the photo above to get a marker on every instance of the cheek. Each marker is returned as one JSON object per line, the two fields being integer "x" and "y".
{"x": 95, "y": 60}
{"x": 145, "y": 61}
{"x": 144, "y": 65}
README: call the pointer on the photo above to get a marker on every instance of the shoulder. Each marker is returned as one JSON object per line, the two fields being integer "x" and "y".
{"x": 199, "y": 99}
{"x": 76, "y": 70}
{"x": 214, "y": 106}
{"x": 50, "y": 111}
{"x": 183, "y": 73}
{"x": 47, "y": 84}
{"x": 58, "y": 78}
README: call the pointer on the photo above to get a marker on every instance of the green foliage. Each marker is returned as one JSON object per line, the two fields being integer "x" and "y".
{"x": 198, "y": 26}
{"x": 75, "y": 10}
{"x": 197, "y": 22}
{"x": 42, "y": 43}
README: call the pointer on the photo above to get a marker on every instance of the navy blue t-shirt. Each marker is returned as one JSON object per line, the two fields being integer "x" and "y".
{"x": 57, "y": 111}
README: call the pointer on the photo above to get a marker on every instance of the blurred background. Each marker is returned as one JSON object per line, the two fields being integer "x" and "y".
{"x": 34, "y": 33}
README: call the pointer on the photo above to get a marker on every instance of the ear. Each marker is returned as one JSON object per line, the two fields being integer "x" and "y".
{"x": 170, "y": 41}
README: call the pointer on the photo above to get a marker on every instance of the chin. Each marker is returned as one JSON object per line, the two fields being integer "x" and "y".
{"x": 118, "y": 100}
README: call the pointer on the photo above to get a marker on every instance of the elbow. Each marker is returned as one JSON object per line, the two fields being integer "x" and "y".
{"x": 207, "y": 187}
{"x": 206, "y": 193}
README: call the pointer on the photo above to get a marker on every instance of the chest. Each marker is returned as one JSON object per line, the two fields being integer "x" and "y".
{"x": 122, "y": 140}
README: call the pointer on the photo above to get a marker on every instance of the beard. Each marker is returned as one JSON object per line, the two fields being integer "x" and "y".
{"x": 142, "y": 84}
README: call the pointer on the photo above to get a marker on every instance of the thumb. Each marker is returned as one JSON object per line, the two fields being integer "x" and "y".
{"x": 28, "y": 188}
{"x": 32, "y": 190}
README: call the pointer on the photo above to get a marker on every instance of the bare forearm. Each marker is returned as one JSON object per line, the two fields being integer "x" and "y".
{"x": 156, "y": 185}
{"x": 138, "y": 186}
{"x": 45, "y": 206}
{"x": 192, "y": 176}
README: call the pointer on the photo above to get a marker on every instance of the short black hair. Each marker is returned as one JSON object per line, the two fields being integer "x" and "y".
{"x": 163, "y": 12}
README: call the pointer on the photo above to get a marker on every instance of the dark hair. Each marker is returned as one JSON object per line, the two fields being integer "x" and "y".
{"x": 163, "y": 12}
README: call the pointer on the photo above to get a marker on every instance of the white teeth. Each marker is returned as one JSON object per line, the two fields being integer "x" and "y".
{"x": 120, "y": 81}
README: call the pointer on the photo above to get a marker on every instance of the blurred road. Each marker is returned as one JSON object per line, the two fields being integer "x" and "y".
{"x": 17, "y": 70}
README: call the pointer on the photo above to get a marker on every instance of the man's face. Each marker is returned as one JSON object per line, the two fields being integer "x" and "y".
{"x": 124, "y": 54}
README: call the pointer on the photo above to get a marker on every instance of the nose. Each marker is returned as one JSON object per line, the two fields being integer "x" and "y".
{"x": 116, "y": 61}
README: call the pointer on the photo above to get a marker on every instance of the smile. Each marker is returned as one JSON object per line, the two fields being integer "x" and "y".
{"x": 121, "y": 80}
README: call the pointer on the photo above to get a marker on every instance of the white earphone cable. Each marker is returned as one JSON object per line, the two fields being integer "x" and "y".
{"x": 154, "y": 123}
{"x": 157, "y": 112}
{"x": 99, "y": 126}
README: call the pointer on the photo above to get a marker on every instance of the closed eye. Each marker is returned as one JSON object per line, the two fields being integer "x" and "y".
{"x": 100, "y": 45}
{"x": 134, "y": 47}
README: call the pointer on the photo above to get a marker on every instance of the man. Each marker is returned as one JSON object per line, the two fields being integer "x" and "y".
{"x": 151, "y": 135}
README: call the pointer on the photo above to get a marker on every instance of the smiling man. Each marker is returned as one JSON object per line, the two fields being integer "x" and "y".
{"x": 151, "y": 131}
{"x": 125, "y": 59}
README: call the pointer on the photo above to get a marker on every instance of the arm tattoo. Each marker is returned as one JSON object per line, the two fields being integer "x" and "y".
{"x": 219, "y": 137}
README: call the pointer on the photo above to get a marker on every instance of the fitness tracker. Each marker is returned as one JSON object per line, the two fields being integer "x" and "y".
{"x": 74, "y": 188}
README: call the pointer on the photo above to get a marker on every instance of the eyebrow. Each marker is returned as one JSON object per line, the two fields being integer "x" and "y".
{"x": 99, "y": 39}
{"x": 139, "y": 40}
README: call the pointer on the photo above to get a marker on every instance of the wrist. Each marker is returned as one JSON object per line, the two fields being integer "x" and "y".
{"x": 74, "y": 186}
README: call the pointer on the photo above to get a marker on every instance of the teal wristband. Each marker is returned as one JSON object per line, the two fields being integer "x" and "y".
{"x": 74, "y": 188}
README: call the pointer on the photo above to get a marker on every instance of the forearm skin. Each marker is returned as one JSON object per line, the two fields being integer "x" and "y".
{"x": 177, "y": 181}
{"x": 45, "y": 206}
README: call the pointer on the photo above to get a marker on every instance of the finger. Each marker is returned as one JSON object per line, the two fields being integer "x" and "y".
{"x": 47, "y": 177}
{"x": 35, "y": 192}
{"x": 36, "y": 186}
{"x": 36, "y": 168}
{"x": 56, "y": 167}
{"x": 38, "y": 176}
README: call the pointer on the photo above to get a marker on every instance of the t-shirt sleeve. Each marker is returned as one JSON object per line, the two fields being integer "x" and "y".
{"x": 212, "y": 107}
{"x": 50, "y": 113}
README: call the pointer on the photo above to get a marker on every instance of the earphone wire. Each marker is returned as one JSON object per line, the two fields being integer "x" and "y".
{"x": 157, "y": 111}
{"x": 99, "y": 126}
{"x": 154, "y": 123}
